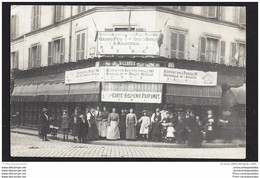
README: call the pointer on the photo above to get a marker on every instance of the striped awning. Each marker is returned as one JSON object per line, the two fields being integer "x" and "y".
{"x": 193, "y": 95}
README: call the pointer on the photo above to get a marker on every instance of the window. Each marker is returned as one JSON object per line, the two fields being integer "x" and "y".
{"x": 242, "y": 16}
{"x": 81, "y": 9}
{"x": 36, "y": 17}
{"x": 123, "y": 29}
{"x": 213, "y": 12}
{"x": 209, "y": 51}
{"x": 80, "y": 45}
{"x": 14, "y": 60}
{"x": 34, "y": 55}
{"x": 56, "y": 51}
{"x": 180, "y": 8}
{"x": 59, "y": 13}
{"x": 238, "y": 54}
{"x": 177, "y": 44}
{"x": 14, "y": 26}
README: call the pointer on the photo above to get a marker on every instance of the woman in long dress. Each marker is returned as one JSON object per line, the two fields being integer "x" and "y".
{"x": 104, "y": 116}
{"x": 145, "y": 122}
{"x": 112, "y": 129}
{"x": 131, "y": 121}
{"x": 122, "y": 124}
{"x": 92, "y": 127}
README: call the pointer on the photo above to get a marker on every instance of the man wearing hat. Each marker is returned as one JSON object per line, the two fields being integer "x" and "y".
{"x": 45, "y": 121}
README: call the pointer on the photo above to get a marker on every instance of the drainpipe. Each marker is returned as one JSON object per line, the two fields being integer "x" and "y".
{"x": 70, "y": 33}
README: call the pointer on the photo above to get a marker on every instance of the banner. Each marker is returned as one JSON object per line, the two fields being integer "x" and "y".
{"x": 142, "y": 74}
{"x": 126, "y": 96}
{"x": 128, "y": 43}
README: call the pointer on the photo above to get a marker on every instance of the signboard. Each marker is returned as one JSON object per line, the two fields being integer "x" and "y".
{"x": 136, "y": 97}
{"x": 128, "y": 43}
{"x": 142, "y": 74}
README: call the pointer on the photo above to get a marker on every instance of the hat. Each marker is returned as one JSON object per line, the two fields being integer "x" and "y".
{"x": 44, "y": 110}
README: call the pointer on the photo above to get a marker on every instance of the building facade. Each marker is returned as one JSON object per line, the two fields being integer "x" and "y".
{"x": 48, "y": 41}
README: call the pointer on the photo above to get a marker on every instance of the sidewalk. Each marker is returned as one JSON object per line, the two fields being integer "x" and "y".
{"x": 215, "y": 144}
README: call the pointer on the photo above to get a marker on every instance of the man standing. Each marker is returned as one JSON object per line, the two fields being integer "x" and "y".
{"x": 44, "y": 124}
{"x": 98, "y": 118}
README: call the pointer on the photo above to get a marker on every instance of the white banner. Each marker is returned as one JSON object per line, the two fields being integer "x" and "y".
{"x": 128, "y": 43}
{"x": 127, "y": 96}
{"x": 142, "y": 74}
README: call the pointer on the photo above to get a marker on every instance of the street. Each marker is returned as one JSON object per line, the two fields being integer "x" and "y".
{"x": 31, "y": 146}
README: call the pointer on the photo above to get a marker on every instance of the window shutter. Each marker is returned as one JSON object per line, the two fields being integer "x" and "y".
{"x": 183, "y": 8}
{"x": 233, "y": 60}
{"x": 222, "y": 52}
{"x": 82, "y": 46}
{"x": 181, "y": 46}
{"x": 16, "y": 25}
{"x": 174, "y": 39}
{"x": 203, "y": 43}
{"x": 62, "y": 50}
{"x": 32, "y": 18}
{"x": 242, "y": 16}
{"x": 212, "y": 11}
{"x": 62, "y": 12}
{"x": 78, "y": 48}
{"x": 50, "y": 53}
{"x": 79, "y": 9}
{"x": 39, "y": 17}
{"x": 38, "y": 61}
{"x": 12, "y": 27}
{"x": 29, "y": 59}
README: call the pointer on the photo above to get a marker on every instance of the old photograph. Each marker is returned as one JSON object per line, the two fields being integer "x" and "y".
{"x": 125, "y": 81}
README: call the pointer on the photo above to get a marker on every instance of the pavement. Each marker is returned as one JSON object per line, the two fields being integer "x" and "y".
{"x": 24, "y": 145}
{"x": 215, "y": 144}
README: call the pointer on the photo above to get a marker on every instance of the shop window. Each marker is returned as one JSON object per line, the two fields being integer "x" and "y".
{"x": 80, "y": 45}
{"x": 222, "y": 52}
{"x": 213, "y": 12}
{"x": 14, "y": 26}
{"x": 59, "y": 13}
{"x": 238, "y": 54}
{"x": 209, "y": 49}
{"x": 56, "y": 51}
{"x": 14, "y": 60}
{"x": 36, "y": 14}
{"x": 81, "y": 9}
{"x": 177, "y": 44}
{"x": 242, "y": 16}
{"x": 179, "y": 8}
{"x": 34, "y": 55}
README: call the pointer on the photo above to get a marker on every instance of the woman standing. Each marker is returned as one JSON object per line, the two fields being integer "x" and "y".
{"x": 131, "y": 121}
{"x": 98, "y": 118}
{"x": 65, "y": 124}
{"x": 145, "y": 122}
{"x": 83, "y": 129}
{"x": 195, "y": 129}
{"x": 104, "y": 116}
{"x": 92, "y": 127}
{"x": 75, "y": 124}
{"x": 112, "y": 129}
{"x": 122, "y": 124}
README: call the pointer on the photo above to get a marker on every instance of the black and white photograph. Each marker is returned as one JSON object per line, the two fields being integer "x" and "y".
{"x": 128, "y": 81}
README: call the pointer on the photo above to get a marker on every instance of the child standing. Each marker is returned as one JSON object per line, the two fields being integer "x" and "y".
{"x": 170, "y": 136}
{"x": 145, "y": 122}
{"x": 163, "y": 129}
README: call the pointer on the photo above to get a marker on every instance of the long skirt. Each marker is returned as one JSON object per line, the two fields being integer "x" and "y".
{"x": 92, "y": 133}
{"x": 113, "y": 131}
{"x": 130, "y": 131}
{"x": 104, "y": 129}
{"x": 99, "y": 127}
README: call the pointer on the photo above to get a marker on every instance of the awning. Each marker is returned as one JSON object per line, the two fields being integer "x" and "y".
{"x": 131, "y": 92}
{"x": 26, "y": 90}
{"x": 193, "y": 95}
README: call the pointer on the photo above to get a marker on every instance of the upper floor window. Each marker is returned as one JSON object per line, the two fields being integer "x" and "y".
{"x": 14, "y": 26}
{"x": 177, "y": 44}
{"x": 14, "y": 60}
{"x": 81, "y": 9}
{"x": 238, "y": 54}
{"x": 242, "y": 16}
{"x": 59, "y": 13}
{"x": 80, "y": 45}
{"x": 212, "y": 50}
{"x": 56, "y": 51}
{"x": 34, "y": 55}
{"x": 36, "y": 15}
{"x": 213, "y": 12}
{"x": 180, "y": 8}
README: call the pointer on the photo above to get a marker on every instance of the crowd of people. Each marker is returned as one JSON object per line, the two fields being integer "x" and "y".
{"x": 161, "y": 126}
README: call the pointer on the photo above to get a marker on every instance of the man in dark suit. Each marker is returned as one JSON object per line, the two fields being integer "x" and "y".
{"x": 45, "y": 120}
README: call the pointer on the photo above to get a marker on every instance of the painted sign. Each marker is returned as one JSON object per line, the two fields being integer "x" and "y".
{"x": 128, "y": 43}
{"x": 127, "y": 96}
{"x": 142, "y": 74}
